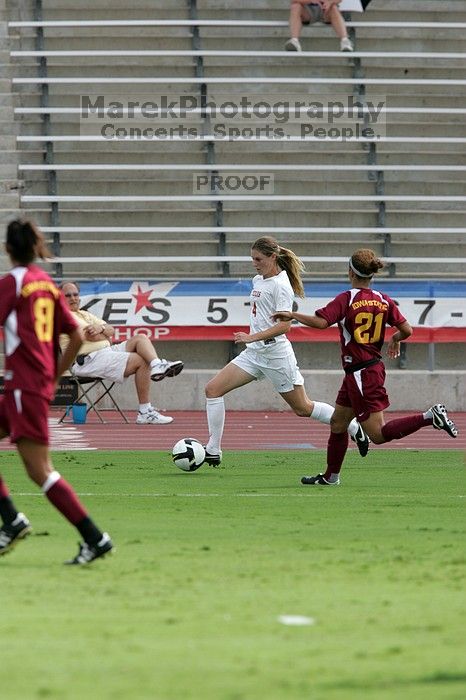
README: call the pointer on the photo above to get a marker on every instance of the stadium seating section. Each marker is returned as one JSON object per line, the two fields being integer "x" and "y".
{"x": 129, "y": 208}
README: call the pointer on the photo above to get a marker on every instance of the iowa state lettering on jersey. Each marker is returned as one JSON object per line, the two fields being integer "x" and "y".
{"x": 39, "y": 286}
{"x": 382, "y": 305}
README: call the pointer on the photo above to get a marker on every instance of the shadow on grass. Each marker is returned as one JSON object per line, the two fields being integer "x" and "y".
{"x": 435, "y": 678}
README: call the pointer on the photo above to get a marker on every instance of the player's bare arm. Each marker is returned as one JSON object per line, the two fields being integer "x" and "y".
{"x": 312, "y": 321}
{"x": 272, "y": 332}
{"x": 404, "y": 330}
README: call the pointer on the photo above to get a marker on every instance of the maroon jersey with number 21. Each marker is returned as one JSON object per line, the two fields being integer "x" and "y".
{"x": 362, "y": 315}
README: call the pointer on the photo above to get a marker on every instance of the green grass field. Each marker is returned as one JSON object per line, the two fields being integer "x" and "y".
{"x": 188, "y": 607}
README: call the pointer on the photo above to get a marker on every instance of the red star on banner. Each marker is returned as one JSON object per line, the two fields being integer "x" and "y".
{"x": 142, "y": 299}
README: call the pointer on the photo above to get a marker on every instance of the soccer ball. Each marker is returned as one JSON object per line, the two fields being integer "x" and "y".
{"x": 188, "y": 454}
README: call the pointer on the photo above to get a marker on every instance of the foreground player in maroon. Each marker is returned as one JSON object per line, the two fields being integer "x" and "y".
{"x": 33, "y": 313}
{"x": 362, "y": 314}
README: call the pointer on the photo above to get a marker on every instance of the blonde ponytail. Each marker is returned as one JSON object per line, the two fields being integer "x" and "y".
{"x": 286, "y": 260}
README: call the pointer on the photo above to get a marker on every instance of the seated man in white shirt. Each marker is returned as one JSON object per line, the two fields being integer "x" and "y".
{"x": 97, "y": 357}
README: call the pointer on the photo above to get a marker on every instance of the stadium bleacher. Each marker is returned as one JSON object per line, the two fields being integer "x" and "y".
{"x": 416, "y": 73}
{"x": 129, "y": 209}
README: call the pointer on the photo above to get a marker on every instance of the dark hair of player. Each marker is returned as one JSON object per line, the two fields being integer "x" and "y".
{"x": 25, "y": 242}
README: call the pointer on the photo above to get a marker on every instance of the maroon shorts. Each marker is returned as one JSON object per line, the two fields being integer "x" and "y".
{"x": 364, "y": 391}
{"x": 24, "y": 415}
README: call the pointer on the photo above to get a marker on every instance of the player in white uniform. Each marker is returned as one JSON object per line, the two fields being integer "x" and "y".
{"x": 269, "y": 353}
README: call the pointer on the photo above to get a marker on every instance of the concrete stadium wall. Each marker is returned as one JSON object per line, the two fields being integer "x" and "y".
{"x": 408, "y": 391}
{"x": 205, "y": 354}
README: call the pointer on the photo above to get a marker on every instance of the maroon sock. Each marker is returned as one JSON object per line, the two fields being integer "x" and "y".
{"x": 336, "y": 450}
{"x": 63, "y": 497}
{"x": 8, "y": 511}
{"x": 4, "y": 493}
{"x": 401, "y": 427}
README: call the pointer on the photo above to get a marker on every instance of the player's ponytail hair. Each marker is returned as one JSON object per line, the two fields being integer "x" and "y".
{"x": 25, "y": 242}
{"x": 365, "y": 263}
{"x": 286, "y": 260}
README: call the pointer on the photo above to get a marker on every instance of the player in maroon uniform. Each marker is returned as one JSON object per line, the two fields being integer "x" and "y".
{"x": 362, "y": 314}
{"x": 33, "y": 313}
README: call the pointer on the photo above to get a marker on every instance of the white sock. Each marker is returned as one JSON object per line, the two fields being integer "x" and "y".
{"x": 322, "y": 412}
{"x": 155, "y": 363}
{"x": 144, "y": 407}
{"x": 215, "y": 420}
{"x": 428, "y": 414}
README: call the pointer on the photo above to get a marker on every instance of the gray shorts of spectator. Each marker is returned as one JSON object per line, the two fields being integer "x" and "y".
{"x": 316, "y": 12}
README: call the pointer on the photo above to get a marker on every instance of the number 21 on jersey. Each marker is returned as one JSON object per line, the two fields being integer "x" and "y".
{"x": 368, "y": 327}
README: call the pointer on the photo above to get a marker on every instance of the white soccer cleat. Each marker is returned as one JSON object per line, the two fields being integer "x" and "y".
{"x": 213, "y": 460}
{"x": 441, "y": 421}
{"x": 14, "y": 532}
{"x": 319, "y": 480}
{"x": 362, "y": 441}
{"x": 88, "y": 552}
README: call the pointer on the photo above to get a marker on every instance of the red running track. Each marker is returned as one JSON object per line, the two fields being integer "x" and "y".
{"x": 244, "y": 430}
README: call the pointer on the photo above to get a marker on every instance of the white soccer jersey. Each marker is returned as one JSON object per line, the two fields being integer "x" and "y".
{"x": 267, "y": 296}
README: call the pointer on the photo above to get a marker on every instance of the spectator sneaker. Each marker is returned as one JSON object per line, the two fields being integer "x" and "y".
{"x": 89, "y": 552}
{"x": 154, "y": 417}
{"x": 362, "y": 441}
{"x": 346, "y": 45}
{"x": 163, "y": 368}
{"x": 319, "y": 480}
{"x": 12, "y": 533}
{"x": 293, "y": 45}
{"x": 440, "y": 420}
{"x": 212, "y": 460}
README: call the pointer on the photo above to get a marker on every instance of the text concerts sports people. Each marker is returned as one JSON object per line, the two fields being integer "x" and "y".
{"x": 33, "y": 313}
{"x": 269, "y": 353}
{"x": 362, "y": 314}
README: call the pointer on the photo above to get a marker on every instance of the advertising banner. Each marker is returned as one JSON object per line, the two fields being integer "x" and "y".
{"x": 215, "y": 309}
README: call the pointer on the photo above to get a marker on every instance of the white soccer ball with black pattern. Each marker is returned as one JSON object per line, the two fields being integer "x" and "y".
{"x": 188, "y": 454}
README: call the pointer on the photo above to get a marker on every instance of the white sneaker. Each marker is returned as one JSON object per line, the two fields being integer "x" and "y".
{"x": 346, "y": 45}
{"x": 154, "y": 417}
{"x": 293, "y": 45}
{"x": 163, "y": 368}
